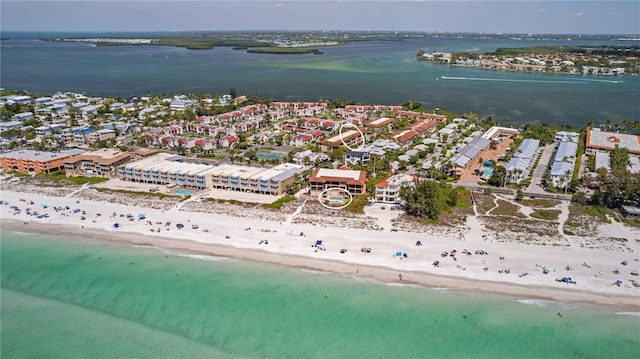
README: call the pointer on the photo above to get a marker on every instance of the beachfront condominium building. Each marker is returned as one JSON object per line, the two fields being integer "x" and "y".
{"x": 273, "y": 181}
{"x": 29, "y": 161}
{"x": 388, "y": 190}
{"x": 331, "y": 185}
{"x": 166, "y": 169}
{"x": 171, "y": 170}
{"x": 100, "y": 163}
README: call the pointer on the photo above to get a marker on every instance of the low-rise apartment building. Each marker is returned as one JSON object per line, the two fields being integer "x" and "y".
{"x": 273, "y": 181}
{"x": 165, "y": 169}
{"x": 520, "y": 165}
{"x": 388, "y": 190}
{"x": 332, "y": 185}
{"x": 29, "y": 161}
{"x": 168, "y": 169}
{"x": 101, "y": 163}
{"x": 607, "y": 141}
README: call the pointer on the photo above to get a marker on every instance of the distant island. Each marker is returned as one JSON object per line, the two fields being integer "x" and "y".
{"x": 308, "y": 40}
{"x": 584, "y": 60}
{"x": 269, "y": 42}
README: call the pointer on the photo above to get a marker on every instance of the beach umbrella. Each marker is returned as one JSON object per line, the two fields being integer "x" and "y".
{"x": 565, "y": 279}
{"x": 142, "y": 216}
{"x": 398, "y": 253}
{"x": 318, "y": 242}
{"x": 116, "y": 225}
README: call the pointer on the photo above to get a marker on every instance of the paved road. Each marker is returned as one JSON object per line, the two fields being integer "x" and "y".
{"x": 538, "y": 173}
{"x": 511, "y": 192}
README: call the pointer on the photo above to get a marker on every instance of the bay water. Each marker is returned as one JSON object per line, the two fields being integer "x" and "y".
{"x": 87, "y": 298}
{"x": 374, "y": 72}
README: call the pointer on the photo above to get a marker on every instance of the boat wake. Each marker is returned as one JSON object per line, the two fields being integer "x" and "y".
{"x": 576, "y": 81}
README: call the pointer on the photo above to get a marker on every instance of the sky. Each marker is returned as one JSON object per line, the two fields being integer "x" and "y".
{"x": 501, "y": 16}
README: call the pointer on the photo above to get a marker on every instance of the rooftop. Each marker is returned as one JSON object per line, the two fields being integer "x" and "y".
{"x": 611, "y": 140}
{"x": 40, "y": 156}
{"x": 102, "y": 156}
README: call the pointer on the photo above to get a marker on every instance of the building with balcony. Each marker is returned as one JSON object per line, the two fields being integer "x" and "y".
{"x": 332, "y": 185}
{"x": 29, "y": 161}
{"x": 388, "y": 190}
{"x": 101, "y": 163}
{"x": 272, "y": 181}
{"x": 168, "y": 169}
{"x": 523, "y": 160}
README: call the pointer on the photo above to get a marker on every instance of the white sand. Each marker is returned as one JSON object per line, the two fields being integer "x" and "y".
{"x": 286, "y": 247}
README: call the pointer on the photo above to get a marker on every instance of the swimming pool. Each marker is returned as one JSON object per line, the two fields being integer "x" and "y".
{"x": 487, "y": 171}
{"x": 184, "y": 192}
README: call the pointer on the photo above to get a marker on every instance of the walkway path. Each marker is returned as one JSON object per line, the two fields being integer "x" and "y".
{"x": 289, "y": 221}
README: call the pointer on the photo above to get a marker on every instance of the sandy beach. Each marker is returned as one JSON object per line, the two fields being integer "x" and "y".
{"x": 366, "y": 247}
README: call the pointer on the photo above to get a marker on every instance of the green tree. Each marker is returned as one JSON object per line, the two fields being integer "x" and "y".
{"x": 619, "y": 160}
{"x": 422, "y": 200}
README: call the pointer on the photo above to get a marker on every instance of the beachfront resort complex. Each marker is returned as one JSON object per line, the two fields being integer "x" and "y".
{"x": 329, "y": 153}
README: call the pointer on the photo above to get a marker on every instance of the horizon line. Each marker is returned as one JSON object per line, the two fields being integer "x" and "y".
{"x": 335, "y": 30}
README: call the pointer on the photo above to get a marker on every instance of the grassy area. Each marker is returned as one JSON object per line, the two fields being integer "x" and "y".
{"x": 546, "y": 214}
{"x": 231, "y": 201}
{"x": 539, "y": 203}
{"x": 18, "y": 174}
{"x": 507, "y": 209}
{"x": 357, "y": 205}
{"x": 59, "y": 176}
{"x": 210, "y": 156}
{"x": 598, "y": 213}
{"x": 150, "y": 194}
{"x": 279, "y": 202}
{"x": 484, "y": 202}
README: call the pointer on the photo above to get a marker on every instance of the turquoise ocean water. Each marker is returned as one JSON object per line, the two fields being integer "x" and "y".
{"x": 375, "y": 72}
{"x": 71, "y": 298}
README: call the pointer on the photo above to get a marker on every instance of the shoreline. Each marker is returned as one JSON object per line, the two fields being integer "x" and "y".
{"x": 379, "y": 274}
{"x": 600, "y": 263}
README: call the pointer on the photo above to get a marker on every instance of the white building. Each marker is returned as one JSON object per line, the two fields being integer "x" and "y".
{"x": 520, "y": 165}
{"x": 388, "y": 190}
{"x": 562, "y": 164}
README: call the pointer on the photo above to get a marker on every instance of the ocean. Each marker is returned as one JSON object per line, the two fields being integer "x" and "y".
{"x": 78, "y": 298}
{"x": 374, "y": 72}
